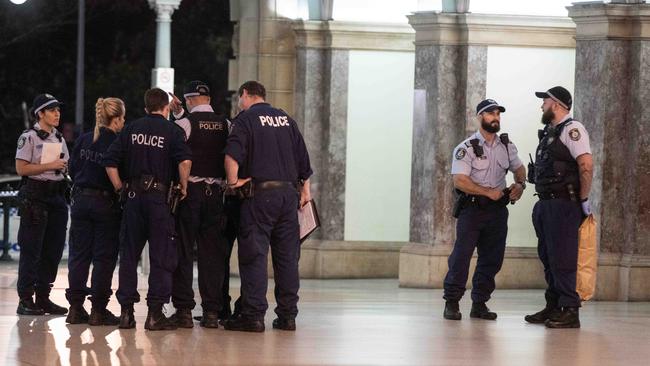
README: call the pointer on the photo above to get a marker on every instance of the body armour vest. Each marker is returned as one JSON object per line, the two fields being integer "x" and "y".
{"x": 555, "y": 168}
{"x": 207, "y": 141}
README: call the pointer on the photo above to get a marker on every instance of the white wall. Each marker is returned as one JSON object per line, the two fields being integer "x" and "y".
{"x": 378, "y": 171}
{"x": 513, "y": 75}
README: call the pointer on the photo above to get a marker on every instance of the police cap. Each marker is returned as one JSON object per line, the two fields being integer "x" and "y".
{"x": 44, "y": 101}
{"x": 489, "y": 105}
{"x": 559, "y": 95}
{"x": 196, "y": 88}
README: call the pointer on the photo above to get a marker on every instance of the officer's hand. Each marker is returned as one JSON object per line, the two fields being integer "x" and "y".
{"x": 175, "y": 104}
{"x": 495, "y": 194}
{"x": 58, "y": 164}
{"x": 304, "y": 198}
{"x": 240, "y": 182}
{"x": 516, "y": 190}
{"x": 586, "y": 207}
{"x": 183, "y": 192}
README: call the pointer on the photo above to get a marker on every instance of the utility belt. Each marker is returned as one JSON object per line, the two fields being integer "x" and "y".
{"x": 46, "y": 187}
{"x": 464, "y": 200}
{"x": 94, "y": 192}
{"x": 569, "y": 193}
{"x": 249, "y": 189}
{"x": 146, "y": 183}
{"x": 209, "y": 189}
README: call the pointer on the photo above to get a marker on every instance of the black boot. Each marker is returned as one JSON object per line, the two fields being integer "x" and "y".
{"x": 540, "y": 317}
{"x": 49, "y": 307}
{"x": 284, "y": 323}
{"x": 182, "y": 318}
{"x": 244, "y": 324}
{"x": 156, "y": 320}
{"x": 26, "y": 306}
{"x": 568, "y": 317}
{"x": 127, "y": 318}
{"x": 210, "y": 319}
{"x": 77, "y": 315}
{"x": 481, "y": 311}
{"x": 452, "y": 311}
{"x": 102, "y": 316}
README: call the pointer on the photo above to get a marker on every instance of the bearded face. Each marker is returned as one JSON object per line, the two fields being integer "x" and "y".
{"x": 490, "y": 123}
{"x": 548, "y": 116}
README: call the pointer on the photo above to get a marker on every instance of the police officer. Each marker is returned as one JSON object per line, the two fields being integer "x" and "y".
{"x": 562, "y": 176}
{"x": 200, "y": 217}
{"x": 154, "y": 152}
{"x": 43, "y": 207}
{"x": 268, "y": 146}
{"x": 479, "y": 167}
{"x": 96, "y": 216}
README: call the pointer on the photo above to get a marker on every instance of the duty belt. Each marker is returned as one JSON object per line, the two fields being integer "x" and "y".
{"x": 93, "y": 192}
{"x": 142, "y": 185}
{"x": 273, "y": 184}
{"x": 554, "y": 195}
{"x": 47, "y": 186}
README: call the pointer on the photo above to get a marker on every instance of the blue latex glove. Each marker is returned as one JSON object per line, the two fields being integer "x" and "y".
{"x": 586, "y": 207}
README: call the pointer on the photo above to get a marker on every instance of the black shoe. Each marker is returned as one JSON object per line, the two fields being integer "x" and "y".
{"x": 567, "y": 318}
{"x": 540, "y": 317}
{"x": 452, "y": 311}
{"x": 77, "y": 315}
{"x": 156, "y": 320}
{"x": 284, "y": 323}
{"x": 210, "y": 319}
{"x": 102, "y": 317}
{"x": 225, "y": 313}
{"x": 481, "y": 311}
{"x": 49, "y": 307}
{"x": 244, "y": 324}
{"x": 26, "y": 306}
{"x": 127, "y": 318}
{"x": 182, "y": 318}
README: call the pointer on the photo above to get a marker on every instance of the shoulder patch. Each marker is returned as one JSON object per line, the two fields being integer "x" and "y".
{"x": 574, "y": 134}
{"x": 21, "y": 142}
{"x": 460, "y": 154}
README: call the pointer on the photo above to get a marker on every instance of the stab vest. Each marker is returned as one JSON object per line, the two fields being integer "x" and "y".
{"x": 207, "y": 142}
{"x": 555, "y": 168}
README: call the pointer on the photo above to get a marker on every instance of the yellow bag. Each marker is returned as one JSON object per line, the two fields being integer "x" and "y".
{"x": 587, "y": 259}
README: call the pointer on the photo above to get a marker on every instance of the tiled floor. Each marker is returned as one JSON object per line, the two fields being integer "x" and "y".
{"x": 342, "y": 322}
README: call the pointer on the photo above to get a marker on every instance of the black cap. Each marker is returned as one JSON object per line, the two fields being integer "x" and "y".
{"x": 196, "y": 88}
{"x": 558, "y": 94}
{"x": 488, "y": 105}
{"x": 44, "y": 101}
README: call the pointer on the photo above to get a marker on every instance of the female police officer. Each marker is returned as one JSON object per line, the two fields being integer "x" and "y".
{"x": 96, "y": 215}
{"x": 43, "y": 209}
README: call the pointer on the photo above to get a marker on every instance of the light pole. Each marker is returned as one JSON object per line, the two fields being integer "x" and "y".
{"x": 81, "y": 36}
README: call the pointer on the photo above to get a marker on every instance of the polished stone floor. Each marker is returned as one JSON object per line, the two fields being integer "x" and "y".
{"x": 342, "y": 322}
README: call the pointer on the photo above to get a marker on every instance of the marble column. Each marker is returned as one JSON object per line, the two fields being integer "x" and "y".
{"x": 613, "y": 101}
{"x": 321, "y": 107}
{"x": 450, "y": 79}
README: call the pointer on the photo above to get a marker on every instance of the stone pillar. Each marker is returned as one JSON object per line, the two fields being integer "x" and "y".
{"x": 162, "y": 75}
{"x": 611, "y": 93}
{"x": 450, "y": 78}
{"x": 264, "y": 49}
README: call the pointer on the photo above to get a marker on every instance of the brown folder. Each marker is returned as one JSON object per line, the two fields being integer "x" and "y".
{"x": 308, "y": 219}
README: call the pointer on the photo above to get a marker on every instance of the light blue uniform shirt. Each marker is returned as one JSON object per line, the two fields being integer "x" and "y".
{"x": 491, "y": 168}
{"x": 30, "y": 149}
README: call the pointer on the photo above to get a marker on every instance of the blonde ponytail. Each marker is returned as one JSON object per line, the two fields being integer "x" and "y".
{"x": 105, "y": 110}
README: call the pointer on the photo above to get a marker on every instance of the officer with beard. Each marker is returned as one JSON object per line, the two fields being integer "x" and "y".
{"x": 479, "y": 168}
{"x": 562, "y": 176}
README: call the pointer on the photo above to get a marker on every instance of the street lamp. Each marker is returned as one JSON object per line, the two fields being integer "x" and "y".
{"x": 18, "y": 2}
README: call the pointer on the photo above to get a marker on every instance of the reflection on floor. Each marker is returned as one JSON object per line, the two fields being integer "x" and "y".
{"x": 342, "y": 322}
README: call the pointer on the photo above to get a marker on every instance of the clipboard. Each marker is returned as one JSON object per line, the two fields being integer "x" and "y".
{"x": 308, "y": 220}
{"x": 51, "y": 152}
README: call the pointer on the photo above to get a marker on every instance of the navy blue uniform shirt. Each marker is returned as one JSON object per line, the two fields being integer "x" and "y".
{"x": 267, "y": 144}
{"x": 86, "y": 167}
{"x": 151, "y": 145}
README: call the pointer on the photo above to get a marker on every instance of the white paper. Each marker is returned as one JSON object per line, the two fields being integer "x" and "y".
{"x": 51, "y": 152}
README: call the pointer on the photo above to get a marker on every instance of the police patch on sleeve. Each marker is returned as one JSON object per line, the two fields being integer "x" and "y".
{"x": 460, "y": 154}
{"x": 574, "y": 134}
{"x": 21, "y": 142}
